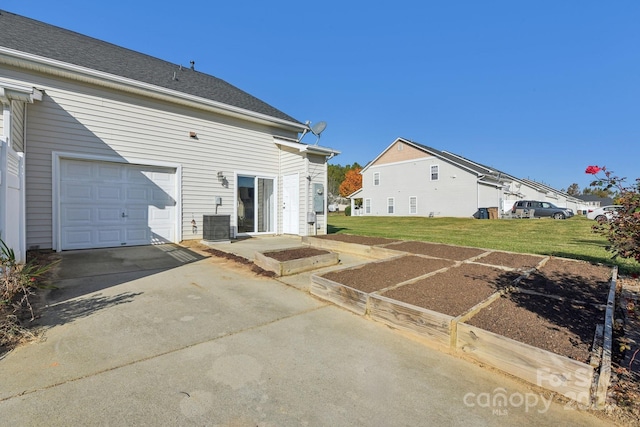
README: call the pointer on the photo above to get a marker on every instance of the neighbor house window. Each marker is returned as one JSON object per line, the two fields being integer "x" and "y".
{"x": 435, "y": 172}
{"x": 390, "y": 205}
{"x": 376, "y": 178}
{"x": 413, "y": 205}
{"x": 367, "y": 206}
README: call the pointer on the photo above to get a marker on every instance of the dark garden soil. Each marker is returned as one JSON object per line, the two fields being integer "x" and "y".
{"x": 455, "y": 290}
{"x": 559, "y": 326}
{"x": 362, "y": 240}
{"x": 379, "y": 275}
{"x": 436, "y": 250}
{"x": 295, "y": 253}
{"x": 511, "y": 260}
{"x": 562, "y": 322}
{"x": 576, "y": 280}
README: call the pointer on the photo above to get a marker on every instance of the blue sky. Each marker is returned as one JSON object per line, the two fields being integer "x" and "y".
{"x": 538, "y": 89}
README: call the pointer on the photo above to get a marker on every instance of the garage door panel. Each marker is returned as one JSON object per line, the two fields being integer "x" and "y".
{"x": 78, "y": 215}
{"x": 77, "y": 238}
{"x": 108, "y": 215}
{"x": 109, "y": 172}
{"x": 114, "y": 204}
{"x": 81, "y": 192}
{"x": 137, "y": 194}
{"x": 77, "y": 170}
{"x": 109, "y": 193}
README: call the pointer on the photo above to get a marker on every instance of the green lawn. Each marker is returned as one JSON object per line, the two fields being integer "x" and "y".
{"x": 571, "y": 238}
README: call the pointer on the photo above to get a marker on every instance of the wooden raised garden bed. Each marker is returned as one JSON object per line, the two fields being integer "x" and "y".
{"x": 350, "y": 287}
{"x": 295, "y": 260}
{"x": 370, "y": 247}
{"x": 545, "y": 320}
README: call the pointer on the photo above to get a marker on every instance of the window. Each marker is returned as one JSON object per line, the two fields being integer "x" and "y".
{"x": 367, "y": 206}
{"x": 435, "y": 172}
{"x": 376, "y": 178}
{"x": 413, "y": 205}
{"x": 390, "y": 205}
{"x": 400, "y": 146}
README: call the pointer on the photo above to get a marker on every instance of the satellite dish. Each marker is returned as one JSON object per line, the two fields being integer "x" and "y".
{"x": 318, "y": 128}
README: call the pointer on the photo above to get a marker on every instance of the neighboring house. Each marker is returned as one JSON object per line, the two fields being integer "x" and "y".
{"x": 408, "y": 178}
{"x": 592, "y": 201}
{"x": 102, "y": 146}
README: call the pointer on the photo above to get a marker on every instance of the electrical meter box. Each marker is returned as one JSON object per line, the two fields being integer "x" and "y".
{"x": 318, "y": 198}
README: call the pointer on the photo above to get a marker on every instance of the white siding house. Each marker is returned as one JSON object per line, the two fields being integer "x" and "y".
{"x": 408, "y": 179}
{"x": 98, "y": 155}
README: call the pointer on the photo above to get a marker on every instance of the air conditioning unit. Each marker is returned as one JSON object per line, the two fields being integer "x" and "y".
{"x": 216, "y": 228}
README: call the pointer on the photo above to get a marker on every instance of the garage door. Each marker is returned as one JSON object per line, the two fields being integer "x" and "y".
{"x": 105, "y": 204}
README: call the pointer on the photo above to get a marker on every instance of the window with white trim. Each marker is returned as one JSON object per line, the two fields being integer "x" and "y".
{"x": 376, "y": 178}
{"x": 413, "y": 205}
{"x": 367, "y": 206}
{"x": 435, "y": 172}
{"x": 390, "y": 205}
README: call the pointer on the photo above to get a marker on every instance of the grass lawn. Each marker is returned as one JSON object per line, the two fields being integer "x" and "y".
{"x": 571, "y": 238}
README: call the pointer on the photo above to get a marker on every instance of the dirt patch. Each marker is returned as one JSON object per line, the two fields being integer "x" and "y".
{"x": 295, "y": 253}
{"x": 455, "y": 290}
{"x": 379, "y": 275}
{"x": 511, "y": 260}
{"x": 361, "y": 240}
{"x": 436, "y": 250}
{"x": 559, "y": 326}
{"x": 578, "y": 281}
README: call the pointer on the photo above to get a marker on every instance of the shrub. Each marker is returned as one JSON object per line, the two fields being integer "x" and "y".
{"x": 17, "y": 283}
{"x": 623, "y": 231}
{"x": 347, "y": 211}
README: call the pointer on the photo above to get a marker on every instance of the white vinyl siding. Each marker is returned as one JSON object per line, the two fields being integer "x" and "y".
{"x": 391, "y": 205}
{"x": 17, "y": 125}
{"x": 81, "y": 119}
{"x": 367, "y": 206}
{"x": 413, "y": 205}
{"x": 376, "y": 178}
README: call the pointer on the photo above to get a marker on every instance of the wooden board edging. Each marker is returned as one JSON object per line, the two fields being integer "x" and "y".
{"x": 433, "y": 326}
{"x": 341, "y": 295}
{"x": 543, "y": 368}
{"x": 375, "y": 252}
{"x": 604, "y": 377}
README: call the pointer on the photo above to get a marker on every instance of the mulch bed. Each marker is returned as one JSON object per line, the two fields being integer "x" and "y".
{"x": 579, "y": 281}
{"x": 436, "y": 250}
{"x": 379, "y": 275}
{"x": 561, "y": 327}
{"x": 295, "y": 253}
{"x": 361, "y": 240}
{"x": 511, "y": 260}
{"x": 564, "y": 325}
{"x": 455, "y": 290}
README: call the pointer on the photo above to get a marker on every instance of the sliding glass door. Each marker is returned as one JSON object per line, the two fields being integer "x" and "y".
{"x": 256, "y": 204}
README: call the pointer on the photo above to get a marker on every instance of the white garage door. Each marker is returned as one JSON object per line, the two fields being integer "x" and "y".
{"x": 106, "y": 204}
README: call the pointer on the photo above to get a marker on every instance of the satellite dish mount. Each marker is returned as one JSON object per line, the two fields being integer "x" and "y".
{"x": 316, "y": 129}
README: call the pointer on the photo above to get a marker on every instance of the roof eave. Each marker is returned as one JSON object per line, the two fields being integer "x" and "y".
{"x": 75, "y": 72}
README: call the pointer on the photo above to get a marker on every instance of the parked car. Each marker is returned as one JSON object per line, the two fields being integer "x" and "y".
{"x": 333, "y": 207}
{"x": 542, "y": 209}
{"x": 603, "y": 213}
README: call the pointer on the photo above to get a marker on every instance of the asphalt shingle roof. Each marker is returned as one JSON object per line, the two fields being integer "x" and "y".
{"x": 38, "y": 38}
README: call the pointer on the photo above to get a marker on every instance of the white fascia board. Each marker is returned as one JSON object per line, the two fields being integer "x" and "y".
{"x": 12, "y": 91}
{"x": 76, "y": 72}
{"x": 304, "y": 148}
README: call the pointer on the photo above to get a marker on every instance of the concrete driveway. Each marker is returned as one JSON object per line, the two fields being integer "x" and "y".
{"x": 162, "y": 335}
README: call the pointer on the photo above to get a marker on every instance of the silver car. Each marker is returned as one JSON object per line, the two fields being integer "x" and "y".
{"x": 542, "y": 209}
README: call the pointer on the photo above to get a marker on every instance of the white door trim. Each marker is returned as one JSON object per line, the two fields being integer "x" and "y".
{"x": 58, "y": 156}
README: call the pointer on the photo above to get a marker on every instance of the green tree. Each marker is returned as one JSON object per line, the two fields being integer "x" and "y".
{"x": 623, "y": 231}
{"x": 573, "y": 190}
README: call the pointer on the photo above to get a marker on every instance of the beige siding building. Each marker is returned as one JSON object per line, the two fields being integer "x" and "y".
{"x": 99, "y": 155}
